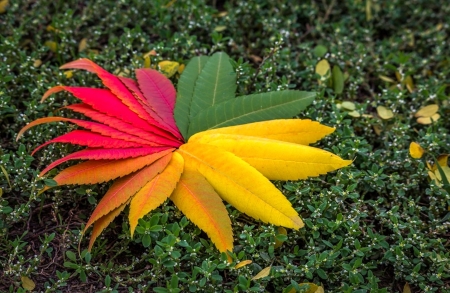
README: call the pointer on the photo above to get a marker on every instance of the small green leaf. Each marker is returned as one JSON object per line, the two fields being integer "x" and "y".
{"x": 338, "y": 80}
{"x": 216, "y": 83}
{"x": 185, "y": 91}
{"x": 252, "y": 108}
{"x": 320, "y": 51}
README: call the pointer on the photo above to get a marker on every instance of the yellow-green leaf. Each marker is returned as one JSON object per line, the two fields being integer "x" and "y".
{"x": 278, "y": 160}
{"x": 241, "y": 185}
{"x": 442, "y": 160}
{"x": 27, "y": 283}
{"x": 82, "y": 45}
{"x": 348, "y": 105}
{"x": 386, "y": 79}
{"x": 220, "y": 28}
{"x": 384, "y": 113}
{"x": 427, "y": 111}
{"x": 428, "y": 120}
{"x": 415, "y": 150}
{"x": 169, "y": 68}
{"x": 323, "y": 67}
{"x": 196, "y": 198}
{"x": 242, "y": 264}
{"x": 263, "y": 273}
{"x": 409, "y": 83}
{"x": 53, "y": 46}
{"x": 155, "y": 192}
{"x": 290, "y": 130}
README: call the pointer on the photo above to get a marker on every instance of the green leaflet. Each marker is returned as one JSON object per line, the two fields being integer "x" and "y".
{"x": 216, "y": 83}
{"x": 338, "y": 80}
{"x": 185, "y": 90}
{"x": 252, "y": 108}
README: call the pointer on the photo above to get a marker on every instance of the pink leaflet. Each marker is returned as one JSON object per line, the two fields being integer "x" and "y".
{"x": 93, "y": 126}
{"x": 112, "y": 82}
{"x": 160, "y": 95}
{"x": 158, "y": 136}
{"x": 105, "y": 102}
{"x": 106, "y": 154}
{"x": 90, "y": 139}
{"x": 156, "y": 119}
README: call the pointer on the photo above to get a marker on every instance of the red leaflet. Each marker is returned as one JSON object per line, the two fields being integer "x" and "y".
{"x": 103, "y": 101}
{"x": 90, "y": 139}
{"x": 134, "y": 88}
{"x": 160, "y": 95}
{"x": 95, "y": 127}
{"x": 106, "y": 154}
{"x": 112, "y": 82}
{"x": 158, "y": 136}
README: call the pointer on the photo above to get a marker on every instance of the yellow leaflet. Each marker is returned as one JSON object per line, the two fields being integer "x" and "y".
{"x": 155, "y": 192}
{"x": 169, "y": 68}
{"x": 196, "y": 198}
{"x": 290, "y": 130}
{"x": 427, "y": 111}
{"x": 241, "y": 185}
{"x": 103, "y": 222}
{"x": 415, "y": 150}
{"x": 278, "y": 160}
{"x": 242, "y": 264}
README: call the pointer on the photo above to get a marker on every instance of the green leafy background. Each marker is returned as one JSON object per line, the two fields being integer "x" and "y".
{"x": 372, "y": 227}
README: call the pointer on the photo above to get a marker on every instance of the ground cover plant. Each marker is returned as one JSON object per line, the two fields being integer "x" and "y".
{"x": 372, "y": 227}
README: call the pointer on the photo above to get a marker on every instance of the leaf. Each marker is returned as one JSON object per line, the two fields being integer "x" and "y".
{"x": 442, "y": 160}
{"x": 53, "y": 46}
{"x": 241, "y": 185}
{"x": 323, "y": 67}
{"x": 95, "y": 127}
{"x": 160, "y": 95}
{"x": 216, "y": 83}
{"x": 112, "y": 82}
{"x": 338, "y": 80}
{"x": 278, "y": 160}
{"x": 89, "y": 139}
{"x": 301, "y": 131}
{"x": 103, "y": 101}
{"x": 263, "y": 273}
{"x": 350, "y": 106}
{"x": 409, "y": 83}
{"x": 91, "y": 172}
{"x": 108, "y": 154}
{"x": 320, "y": 51}
{"x": 27, "y": 283}
{"x": 3, "y": 5}
{"x": 6, "y": 175}
{"x": 386, "y": 79}
{"x": 124, "y": 188}
{"x": 415, "y": 150}
{"x": 196, "y": 198}
{"x": 185, "y": 88}
{"x": 103, "y": 222}
{"x": 155, "y": 192}
{"x": 427, "y": 111}
{"x": 278, "y": 243}
{"x": 406, "y": 288}
{"x": 252, "y": 108}
{"x": 169, "y": 68}
{"x": 384, "y": 113}
{"x": 156, "y": 135}
{"x": 242, "y": 264}
{"x": 428, "y": 120}
{"x": 82, "y": 45}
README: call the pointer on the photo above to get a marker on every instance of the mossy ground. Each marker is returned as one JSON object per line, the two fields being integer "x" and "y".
{"x": 371, "y": 227}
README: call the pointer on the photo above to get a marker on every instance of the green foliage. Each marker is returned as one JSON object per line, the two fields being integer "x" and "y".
{"x": 369, "y": 228}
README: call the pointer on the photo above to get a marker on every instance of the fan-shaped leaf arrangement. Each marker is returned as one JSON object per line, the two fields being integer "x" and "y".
{"x": 196, "y": 147}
